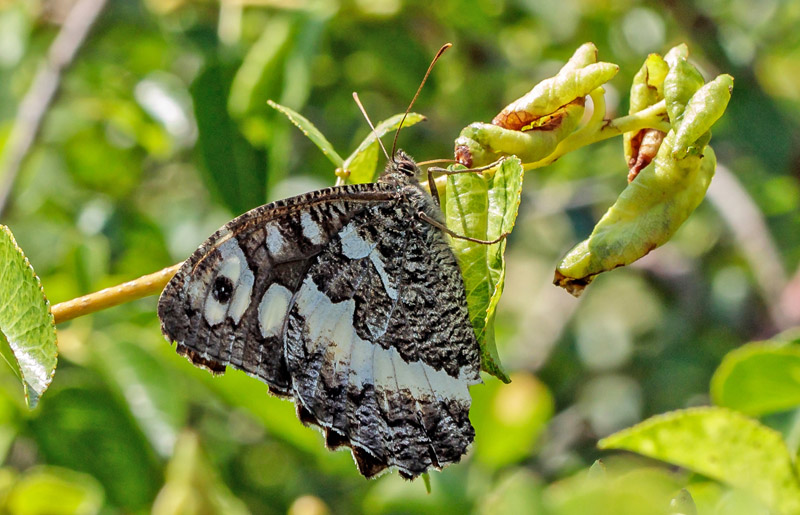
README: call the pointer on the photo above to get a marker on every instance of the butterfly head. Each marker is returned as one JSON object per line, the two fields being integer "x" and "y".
{"x": 401, "y": 171}
{"x": 403, "y": 164}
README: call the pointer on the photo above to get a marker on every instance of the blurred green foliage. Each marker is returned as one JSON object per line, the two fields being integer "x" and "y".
{"x": 161, "y": 133}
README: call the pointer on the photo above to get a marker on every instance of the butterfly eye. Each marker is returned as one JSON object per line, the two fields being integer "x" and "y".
{"x": 222, "y": 290}
{"x": 407, "y": 168}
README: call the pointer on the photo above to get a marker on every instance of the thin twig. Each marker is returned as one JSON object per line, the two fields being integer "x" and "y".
{"x": 126, "y": 292}
{"x": 42, "y": 91}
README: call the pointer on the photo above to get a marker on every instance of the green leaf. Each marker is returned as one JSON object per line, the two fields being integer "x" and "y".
{"x": 646, "y": 215}
{"x": 192, "y": 486}
{"x": 311, "y": 131}
{"x": 481, "y": 144}
{"x": 234, "y": 169}
{"x": 484, "y": 206}
{"x": 54, "y": 490}
{"x": 551, "y": 94}
{"x": 361, "y": 163}
{"x": 759, "y": 378}
{"x": 257, "y": 76}
{"x": 25, "y": 320}
{"x": 705, "y": 107}
{"x": 682, "y": 81}
{"x": 721, "y": 444}
{"x": 621, "y": 488}
{"x": 583, "y": 56}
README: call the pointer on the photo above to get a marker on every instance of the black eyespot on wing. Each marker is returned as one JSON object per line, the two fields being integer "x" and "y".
{"x": 222, "y": 290}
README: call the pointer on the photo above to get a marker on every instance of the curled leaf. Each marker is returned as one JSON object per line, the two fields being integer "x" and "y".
{"x": 550, "y": 94}
{"x": 682, "y": 81}
{"x": 703, "y": 110}
{"x": 645, "y": 216}
{"x": 482, "y": 143}
{"x": 647, "y": 89}
{"x": 648, "y": 83}
{"x": 676, "y": 53}
{"x": 485, "y": 207}
{"x": 585, "y": 55}
{"x": 25, "y": 320}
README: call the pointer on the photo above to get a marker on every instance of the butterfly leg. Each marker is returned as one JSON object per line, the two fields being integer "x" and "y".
{"x": 443, "y": 227}
{"x": 445, "y": 171}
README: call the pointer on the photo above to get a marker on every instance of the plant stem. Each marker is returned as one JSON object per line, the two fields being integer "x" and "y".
{"x": 113, "y": 296}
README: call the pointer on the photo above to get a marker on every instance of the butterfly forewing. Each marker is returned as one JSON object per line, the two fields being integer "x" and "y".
{"x": 223, "y": 307}
{"x": 347, "y": 302}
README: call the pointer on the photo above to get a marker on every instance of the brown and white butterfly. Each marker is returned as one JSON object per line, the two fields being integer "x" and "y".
{"x": 347, "y": 301}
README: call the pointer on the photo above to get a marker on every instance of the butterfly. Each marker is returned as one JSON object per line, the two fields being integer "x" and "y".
{"x": 350, "y": 302}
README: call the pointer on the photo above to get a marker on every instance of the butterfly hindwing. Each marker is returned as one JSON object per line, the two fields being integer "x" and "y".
{"x": 379, "y": 344}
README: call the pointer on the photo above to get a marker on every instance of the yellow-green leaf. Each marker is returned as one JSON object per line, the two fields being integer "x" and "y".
{"x": 721, "y": 444}
{"x": 555, "y": 92}
{"x": 645, "y": 216}
{"x": 484, "y": 207}
{"x": 25, "y": 319}
{"x": 759, "y": 378}
{"x": 703, "y": 110}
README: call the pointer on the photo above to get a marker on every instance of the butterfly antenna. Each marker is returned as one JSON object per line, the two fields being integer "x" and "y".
{"x": 364, "y": 112}
{"x": 430, "y": 67}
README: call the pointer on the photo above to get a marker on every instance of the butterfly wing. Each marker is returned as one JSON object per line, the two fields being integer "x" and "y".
{"x": 345, "y": 301}
{"x": 227, "y": 303}
{"x": 379, "y": 344}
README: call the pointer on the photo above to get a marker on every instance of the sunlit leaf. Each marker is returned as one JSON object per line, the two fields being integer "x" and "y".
{"x": 646, "y": 215}
{"x": 759, "y": 378}
{"x": 551, "y": 94}
{"x": 705, "y": 107}
{"x": 484, "y": 207}
{"x": 480, "y": 144}
{"x": 682, "y": 81}
{"x": 311, "y": 131}
{"x": 362, "y": 162}
{"x": 721, "y": 444}
{"x": 25, "y": 320}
